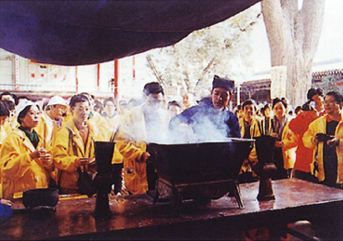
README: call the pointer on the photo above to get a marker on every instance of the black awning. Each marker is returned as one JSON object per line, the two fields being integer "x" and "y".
{"x": 88, "y": 32}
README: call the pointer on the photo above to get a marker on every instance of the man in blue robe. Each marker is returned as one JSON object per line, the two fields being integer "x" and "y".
{"x": 211, "y": 120}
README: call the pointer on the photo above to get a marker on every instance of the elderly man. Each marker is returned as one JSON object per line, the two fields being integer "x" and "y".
{"x": 325, "y": 135}
{"x": 210, "y": 121}
{"x": 51, "y": 120}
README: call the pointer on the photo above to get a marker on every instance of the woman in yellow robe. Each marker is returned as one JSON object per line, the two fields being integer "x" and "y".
{"x": 25, "y": 159}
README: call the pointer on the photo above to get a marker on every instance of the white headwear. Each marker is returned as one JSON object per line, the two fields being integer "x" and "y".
{"x": 57, "y": 100}
{"x": 22, "y": 104}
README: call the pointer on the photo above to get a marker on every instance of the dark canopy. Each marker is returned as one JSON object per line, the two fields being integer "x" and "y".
{"x": 87, "y": 32}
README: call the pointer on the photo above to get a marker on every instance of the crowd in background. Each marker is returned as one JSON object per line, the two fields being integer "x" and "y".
{"x": 48, "y": 144}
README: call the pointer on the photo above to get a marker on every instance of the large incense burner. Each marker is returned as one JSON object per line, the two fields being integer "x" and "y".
{"x": 200, "y": 171}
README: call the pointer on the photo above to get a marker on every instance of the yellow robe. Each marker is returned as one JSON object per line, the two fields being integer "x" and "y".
{"x": 254, "y": 132}
{"x": 65, "y": 160}
{"x": 131, "y": 145}
{"x": 319, "y": 126}
{"x": 21, "y": 172}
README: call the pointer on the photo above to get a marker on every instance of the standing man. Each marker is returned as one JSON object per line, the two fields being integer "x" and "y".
{"x": 213, "y": 120}
{"x": 73, "y": 147}
{"x": 143, "y": 124}
{"x": 325, "y": 135}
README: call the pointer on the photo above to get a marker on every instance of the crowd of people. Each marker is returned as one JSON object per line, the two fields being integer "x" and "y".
{"x": 47, "y": 144}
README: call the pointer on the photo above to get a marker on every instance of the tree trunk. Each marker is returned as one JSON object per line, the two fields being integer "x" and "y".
{"x": 293, "y": 37}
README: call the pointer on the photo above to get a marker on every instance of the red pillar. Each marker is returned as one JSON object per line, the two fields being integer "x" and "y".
{"x": 116, "y": 77}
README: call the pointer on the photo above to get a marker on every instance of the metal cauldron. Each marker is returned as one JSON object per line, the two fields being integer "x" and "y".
{"x": 199, "y": 162}
{"x": 205, "y": 170}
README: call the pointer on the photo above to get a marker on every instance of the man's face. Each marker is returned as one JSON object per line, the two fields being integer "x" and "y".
{"x": 56, "y": 111}
{"x": 80, "y": 111}
{"x": 331, "y": 105}
{"x": 220, "y": 98}
{"x": 249, "y": 112}
{"x": 153, "y": 102}
{"x": 109, "y": 108}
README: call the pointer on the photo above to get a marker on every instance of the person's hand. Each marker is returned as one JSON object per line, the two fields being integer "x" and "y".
{"x": 278, "y": 144}
{"x": 86, "y": 162}
{"x": 333, "y": 142}
{"x": 46, "y": 159}
{"x": 6, "y": 202}
{"x": 41, "y": 156}
{"x": 37, "y": 153}
{"x": 315, "y": 140}
{"x": 92, "y": 162}
{"x": 144, "y": 156}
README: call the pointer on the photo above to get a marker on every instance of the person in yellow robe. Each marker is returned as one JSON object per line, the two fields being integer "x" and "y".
{"x": 25, "y": 159}
{"x": 250, "y": 128}
{"x": 4, "y": 115}
{"x": 73, "y": 147}
{"x": 143, "y": 124}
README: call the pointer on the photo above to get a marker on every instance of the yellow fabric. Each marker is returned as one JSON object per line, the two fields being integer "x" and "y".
{"x": 68, "y": 116}
{"x": 101, "y": 128}
{"x": 21, "y": 172}
{"x": 289, "y": 141}
{"x": 254, "y": 132}
{"x": 3, "y": 135}
{"x": 135, "y": 178}
{"x": 131, "y": 145}
{"x": 319, "y": 126}
{"x": 11, "y": 124}
{"x": 63, "y": 154}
